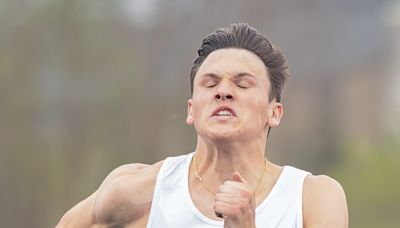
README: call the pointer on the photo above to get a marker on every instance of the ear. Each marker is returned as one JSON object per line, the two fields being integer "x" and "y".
{"x": 275, "y": 114}
{"x": 189, "y": 118}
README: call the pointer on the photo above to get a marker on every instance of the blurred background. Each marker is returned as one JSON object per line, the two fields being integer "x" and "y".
{"x": 86, "y": 86}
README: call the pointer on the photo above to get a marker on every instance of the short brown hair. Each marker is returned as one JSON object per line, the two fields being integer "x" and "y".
{"x": 243, "y": 36}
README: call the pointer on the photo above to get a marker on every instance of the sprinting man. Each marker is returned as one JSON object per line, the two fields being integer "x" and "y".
{"x": 236, "y": 89}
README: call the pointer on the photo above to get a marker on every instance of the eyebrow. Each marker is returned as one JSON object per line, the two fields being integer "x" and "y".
{"x": 244, "y": 74}
{"x": 239, "y": 75}
{"x": 211, "y": 75}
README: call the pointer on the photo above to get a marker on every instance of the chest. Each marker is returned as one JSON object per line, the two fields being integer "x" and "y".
{"x": 204, "y": 203}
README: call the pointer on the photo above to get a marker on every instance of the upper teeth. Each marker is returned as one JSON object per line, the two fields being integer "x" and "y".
{"x": 224, "y": 113}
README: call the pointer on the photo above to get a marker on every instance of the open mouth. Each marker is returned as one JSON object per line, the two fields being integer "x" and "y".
{"x": 224, "y": 111}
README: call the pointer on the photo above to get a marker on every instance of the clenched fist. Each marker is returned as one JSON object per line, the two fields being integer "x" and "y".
{"x": 235, "y": 203}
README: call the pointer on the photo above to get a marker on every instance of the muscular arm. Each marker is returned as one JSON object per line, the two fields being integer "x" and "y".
{"x": 116, "y": 201}
{"x": 80, "y": 216}
{"x": 324, "y": 203}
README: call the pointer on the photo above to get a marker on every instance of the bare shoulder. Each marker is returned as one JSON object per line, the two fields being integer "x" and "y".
{"x": 129, "y": 170}
{"x": 126, "y": 193}
{"x": 324, "y": 202}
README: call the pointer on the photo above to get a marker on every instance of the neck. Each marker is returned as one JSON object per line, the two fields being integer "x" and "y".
{"x": 217, "y": 161}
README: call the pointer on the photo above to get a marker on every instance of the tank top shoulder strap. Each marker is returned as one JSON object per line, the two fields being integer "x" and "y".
{"x": 283, "y": 205}
{"x": 167, "y": 176}
{"x": 297, "y": 177}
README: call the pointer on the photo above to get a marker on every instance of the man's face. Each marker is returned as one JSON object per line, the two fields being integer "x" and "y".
{"x": 230, "y": 97}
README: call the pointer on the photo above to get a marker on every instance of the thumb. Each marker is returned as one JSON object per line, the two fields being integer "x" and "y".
{"x": 237, "y": 177}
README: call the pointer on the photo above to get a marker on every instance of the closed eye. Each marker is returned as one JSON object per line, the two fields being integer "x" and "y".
{"x": 209, "y": 80}
{"x": 243, "y": 84}
{"x": 210, "y": 83}
{"x": 244, "y": 80}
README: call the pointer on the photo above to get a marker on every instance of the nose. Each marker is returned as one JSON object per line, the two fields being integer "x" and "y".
{"x": 222, "y": 96}
{"x": 224, "y": 92}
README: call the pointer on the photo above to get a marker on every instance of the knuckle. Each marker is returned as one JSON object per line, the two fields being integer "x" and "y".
{"x": 217, "y": 204}
{"x": 218, "y": 197}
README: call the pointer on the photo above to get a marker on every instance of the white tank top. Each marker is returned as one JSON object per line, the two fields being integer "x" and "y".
{"x": 172, "y": 206}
